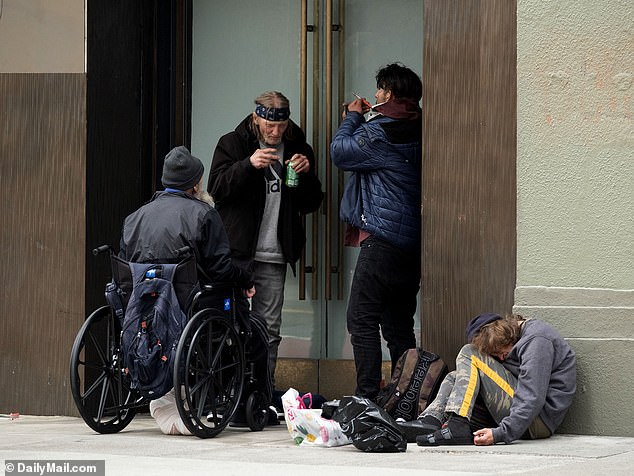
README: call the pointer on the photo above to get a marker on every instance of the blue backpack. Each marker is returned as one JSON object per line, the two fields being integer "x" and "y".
{"x": 152, "y": 325}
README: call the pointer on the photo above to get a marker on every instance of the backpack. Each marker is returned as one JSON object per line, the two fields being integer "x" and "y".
{"x": 414, "y": 384}
{"x": 152, "y": 325}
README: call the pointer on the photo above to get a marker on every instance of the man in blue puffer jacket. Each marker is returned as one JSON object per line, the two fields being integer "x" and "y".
{"x": 381, "y": 207}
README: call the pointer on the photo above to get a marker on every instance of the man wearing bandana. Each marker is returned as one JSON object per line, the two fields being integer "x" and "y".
{"x": 263, "y": 216}
{"x": 381, "y": 206}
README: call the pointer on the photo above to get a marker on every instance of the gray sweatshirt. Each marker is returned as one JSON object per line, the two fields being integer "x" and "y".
{"x": 545, "y": 367}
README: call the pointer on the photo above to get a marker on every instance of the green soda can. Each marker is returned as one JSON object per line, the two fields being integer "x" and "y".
{"x": 292, "y": 180}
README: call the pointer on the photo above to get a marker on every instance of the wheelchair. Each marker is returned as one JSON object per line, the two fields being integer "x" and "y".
{"x": 220, "y": 369}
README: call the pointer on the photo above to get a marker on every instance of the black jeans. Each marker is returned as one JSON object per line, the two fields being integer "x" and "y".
{"x": 382, "y": 299}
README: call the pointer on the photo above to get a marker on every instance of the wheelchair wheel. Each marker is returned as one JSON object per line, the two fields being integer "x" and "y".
{"x": 97, "y": 380}
{"x": 257, "y": 411}
{"x": 209, "y": 371}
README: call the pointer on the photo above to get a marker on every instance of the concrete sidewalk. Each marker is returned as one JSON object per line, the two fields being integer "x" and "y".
{"x": 141, "y": 449}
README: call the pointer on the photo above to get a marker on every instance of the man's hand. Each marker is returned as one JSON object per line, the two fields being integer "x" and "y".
{"x": 300, "y": 163}
{"x": 483, "y": 437}
{"x": 249, "y": 293}
{"x": 262, "y": 158}
{"x": 358, "y": 105}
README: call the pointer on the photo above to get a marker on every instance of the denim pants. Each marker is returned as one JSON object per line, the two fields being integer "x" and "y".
{"x": 382, "y": 300}
{"x": 269, "y": 281}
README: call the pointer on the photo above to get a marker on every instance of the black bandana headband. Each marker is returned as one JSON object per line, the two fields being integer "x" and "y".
{"x": 272, "y": 113}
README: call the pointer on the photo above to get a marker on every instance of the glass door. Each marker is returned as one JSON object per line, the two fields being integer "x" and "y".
{"x": 318, "y": 53}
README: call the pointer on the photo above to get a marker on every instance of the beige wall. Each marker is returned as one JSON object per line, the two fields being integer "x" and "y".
{"x": 575, "y": 174}
{"x": 42, "y": 36}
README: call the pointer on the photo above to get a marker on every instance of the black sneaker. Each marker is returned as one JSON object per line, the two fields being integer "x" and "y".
{"x": 455, "y": 431}
{"x": 423, "y": 426}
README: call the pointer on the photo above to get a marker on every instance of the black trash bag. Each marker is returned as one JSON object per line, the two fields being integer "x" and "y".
{"x": 369, "y": 427}
{"x": 329, "y": 408}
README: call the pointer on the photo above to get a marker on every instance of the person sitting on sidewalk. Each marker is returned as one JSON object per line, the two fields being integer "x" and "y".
{"x": 522, "y": 370}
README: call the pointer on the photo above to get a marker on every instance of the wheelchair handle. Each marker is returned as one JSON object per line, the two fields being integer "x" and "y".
{"x": 102, "y": 249}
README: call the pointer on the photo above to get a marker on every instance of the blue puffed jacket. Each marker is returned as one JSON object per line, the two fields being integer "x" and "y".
{"x": 383, "y": 194}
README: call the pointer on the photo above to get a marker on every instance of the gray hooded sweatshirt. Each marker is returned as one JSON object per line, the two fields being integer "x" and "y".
{"x": 545, "y": 367}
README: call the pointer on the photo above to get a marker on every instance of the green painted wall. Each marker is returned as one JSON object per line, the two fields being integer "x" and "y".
{"x": 575, "y": 181}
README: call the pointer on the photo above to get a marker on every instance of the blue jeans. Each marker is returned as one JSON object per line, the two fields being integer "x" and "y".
{"x": 382, "y": 300}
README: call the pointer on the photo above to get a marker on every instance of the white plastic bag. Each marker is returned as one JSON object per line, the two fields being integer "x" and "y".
{"x": 306, "y": 425}
{"x": 164, "y": 411}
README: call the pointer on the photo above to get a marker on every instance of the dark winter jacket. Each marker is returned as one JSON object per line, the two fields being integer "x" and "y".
{"x": 545, "y": 367}
{"x": 383, "y": 194}
{"x": 173, "y": 220}
{"x": 239, "y": 193}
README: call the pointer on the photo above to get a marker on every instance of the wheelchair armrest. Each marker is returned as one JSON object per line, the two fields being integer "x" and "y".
{"x": 219, "y": 286}
{"x": 218, "y": 292}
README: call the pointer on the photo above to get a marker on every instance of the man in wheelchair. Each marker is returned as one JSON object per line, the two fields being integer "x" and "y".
{"x": 182, "y": 216}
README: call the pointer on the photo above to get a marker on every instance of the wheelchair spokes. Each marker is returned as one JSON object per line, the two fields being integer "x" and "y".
{"x": 210, "y": 363}
{"x": 210, "y": 374}
{"x": 98, "y": 382}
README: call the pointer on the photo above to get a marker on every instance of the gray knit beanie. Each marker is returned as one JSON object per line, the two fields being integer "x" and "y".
{"x": 181, "y": 170}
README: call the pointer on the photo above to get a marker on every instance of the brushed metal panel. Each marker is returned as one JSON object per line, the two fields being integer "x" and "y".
{"x": 330, "y": 378}
{"x": 42, "y": 223}
{"x": 300, "y": 374}
{"x": 337, "y": 378}
{"x": 469, "y": 192}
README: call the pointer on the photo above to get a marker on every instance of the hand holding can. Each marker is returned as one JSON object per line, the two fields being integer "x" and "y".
{"x": 297, "y": 164}
{"x": 291, "y": 180}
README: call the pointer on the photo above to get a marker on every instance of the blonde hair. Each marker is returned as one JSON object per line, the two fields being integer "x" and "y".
{"x": 497, "y": 334}
{"x": 271, "y": 99}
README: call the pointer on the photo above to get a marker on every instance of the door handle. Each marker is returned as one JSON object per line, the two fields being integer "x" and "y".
{"x": 303, "y": 60}
{"x": 305, "y": 29}
{"x": 341, "y": 94}
{"x": 336, "y": 269}
{"x": 329, "y": 212}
